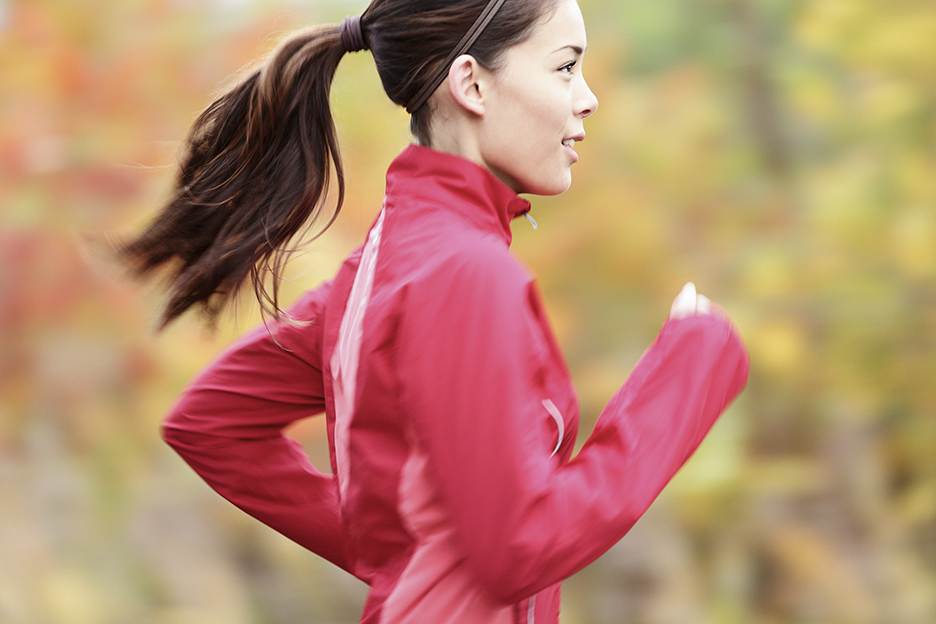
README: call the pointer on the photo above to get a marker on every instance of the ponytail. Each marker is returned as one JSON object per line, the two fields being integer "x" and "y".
{"x": 255, "y": 172}
{"x": 257, "y": 163}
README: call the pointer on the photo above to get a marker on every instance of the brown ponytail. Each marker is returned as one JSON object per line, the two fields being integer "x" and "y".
{"x": 256, "y": 167}
{"x": 255, "y": 172}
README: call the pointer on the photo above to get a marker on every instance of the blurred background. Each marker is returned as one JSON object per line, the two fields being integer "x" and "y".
{"x": 781, "y": 154}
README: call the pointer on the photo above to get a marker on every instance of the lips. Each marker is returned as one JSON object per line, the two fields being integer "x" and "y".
{"x": 569, "y": 144}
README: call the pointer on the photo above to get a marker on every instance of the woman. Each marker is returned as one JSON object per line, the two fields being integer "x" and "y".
{"x": 451, "y": 416}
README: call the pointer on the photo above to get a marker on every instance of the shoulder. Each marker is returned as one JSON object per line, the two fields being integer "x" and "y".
{"x": 426, "y": 239}
{"x": 474, "y": 266}
{"x": 434, "y": 263}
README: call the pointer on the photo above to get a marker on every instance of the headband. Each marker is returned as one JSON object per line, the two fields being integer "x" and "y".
{"x": 442, "y": 71}
{"x": 352, "y": 38}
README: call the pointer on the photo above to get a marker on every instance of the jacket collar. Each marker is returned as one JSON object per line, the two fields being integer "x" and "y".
{"x": 450, "y": 181}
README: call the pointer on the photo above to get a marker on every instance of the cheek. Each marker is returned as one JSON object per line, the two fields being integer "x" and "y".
{"x": 543, "y": 114}
{"x": 532, "y": 155}
{"x": 536, "y": 130}
{"x": 522, "y": 142}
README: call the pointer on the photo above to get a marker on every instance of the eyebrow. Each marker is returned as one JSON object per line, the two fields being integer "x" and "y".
{"x": 577, "y": 49}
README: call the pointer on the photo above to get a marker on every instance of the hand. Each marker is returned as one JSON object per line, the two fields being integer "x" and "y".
{"x": 688, "y": 303}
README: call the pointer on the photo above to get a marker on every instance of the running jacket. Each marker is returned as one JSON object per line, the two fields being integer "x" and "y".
{"x": 450, "y": 413}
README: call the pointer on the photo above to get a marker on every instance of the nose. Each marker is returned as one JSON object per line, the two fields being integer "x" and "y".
{"x": 585, "y": 102}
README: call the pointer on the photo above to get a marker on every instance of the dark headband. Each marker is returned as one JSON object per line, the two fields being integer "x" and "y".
{"x": 352, "y": 38}
{"x": 442, "y": 71}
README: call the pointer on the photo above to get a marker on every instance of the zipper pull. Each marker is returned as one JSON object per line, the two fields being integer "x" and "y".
{"x": 530, "y": 219}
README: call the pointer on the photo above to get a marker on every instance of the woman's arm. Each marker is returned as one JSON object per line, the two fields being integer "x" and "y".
{"x": 524, "y": 520}
{"x": 228, "y": 426}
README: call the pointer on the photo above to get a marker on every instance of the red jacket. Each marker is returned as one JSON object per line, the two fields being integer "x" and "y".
{"x": 451, "y": 415}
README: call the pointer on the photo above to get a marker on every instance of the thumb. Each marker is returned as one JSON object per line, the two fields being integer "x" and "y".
{"x": 685, "y": 302}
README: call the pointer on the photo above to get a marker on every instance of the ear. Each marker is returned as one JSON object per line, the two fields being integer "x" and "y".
{"x": 467, "y": 82}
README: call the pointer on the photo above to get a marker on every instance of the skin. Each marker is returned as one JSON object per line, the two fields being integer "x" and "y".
{"x": 514, "y": 121}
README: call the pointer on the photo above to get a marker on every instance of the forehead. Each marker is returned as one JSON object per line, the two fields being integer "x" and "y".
{"x": 563, "y": 27}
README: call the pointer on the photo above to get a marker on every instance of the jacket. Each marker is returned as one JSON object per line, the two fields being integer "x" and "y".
{"x": 451, "y": 415}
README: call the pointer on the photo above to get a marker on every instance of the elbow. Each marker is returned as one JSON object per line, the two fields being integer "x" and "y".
{"x": 512, "y": 574}
{"x": 170, "y": 429}
{"x": 509, "y": 594}
{"x": 505, "y": 586}
{"x": 169, "y": 434}
{"x": 176, "y": 430}
{"x": 508, "y": 586}
{"x": 178, "y": 440}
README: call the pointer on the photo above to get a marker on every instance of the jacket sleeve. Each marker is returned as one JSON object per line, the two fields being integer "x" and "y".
{"x": 228, "y": 426}
{"x": 525, "y": 521}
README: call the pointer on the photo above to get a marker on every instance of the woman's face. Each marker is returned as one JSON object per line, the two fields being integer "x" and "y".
{"x": 536, "y": 107}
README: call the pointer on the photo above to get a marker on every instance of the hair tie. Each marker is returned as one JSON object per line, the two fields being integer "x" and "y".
{"x": 352, "y": 37}
{"x": 441, "y": 72}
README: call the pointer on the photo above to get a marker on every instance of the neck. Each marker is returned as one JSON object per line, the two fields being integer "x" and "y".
{"x": 456, "y": 137}
{"x": 466, "y": 145}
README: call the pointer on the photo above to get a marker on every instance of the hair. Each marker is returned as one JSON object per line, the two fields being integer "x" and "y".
{"x": 257, "y": 164}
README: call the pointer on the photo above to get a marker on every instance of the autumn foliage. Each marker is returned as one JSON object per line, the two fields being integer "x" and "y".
{"x": 781, "y": 155}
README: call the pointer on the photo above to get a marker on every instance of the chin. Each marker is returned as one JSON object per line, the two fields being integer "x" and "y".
{"x": 534, "y": 180}
{"x": 555, "y": 186}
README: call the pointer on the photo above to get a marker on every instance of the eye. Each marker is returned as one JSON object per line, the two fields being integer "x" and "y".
{"x": 568, "y": 67}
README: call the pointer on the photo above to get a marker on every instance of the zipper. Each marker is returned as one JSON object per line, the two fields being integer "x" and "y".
{"x": 560, "y": 423}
